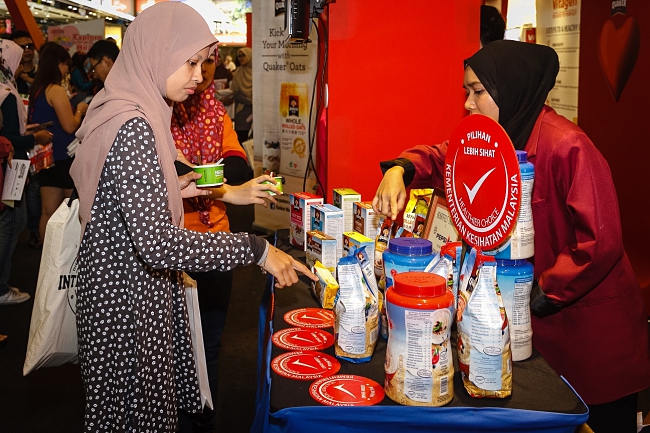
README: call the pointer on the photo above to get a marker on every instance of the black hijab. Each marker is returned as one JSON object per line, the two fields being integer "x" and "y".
{"x": 518, "y": 76}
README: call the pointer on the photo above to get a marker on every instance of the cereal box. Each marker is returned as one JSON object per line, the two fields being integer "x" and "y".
{"x": 344, "y": 198}
{"x": 300, "y": 204}
{"x": 321, "y": 248}
{"x": 329, "y": 220}
{"x": 353, "y": 240}
{"x": 366, "y": 221}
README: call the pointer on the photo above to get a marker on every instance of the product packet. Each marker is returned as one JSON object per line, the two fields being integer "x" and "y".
{"x": 357, "y": 240}
{"x": 446, "y": 265}
{"x": 300, "y": 219}
{"x": 321, "y": 247}
{"x": 41, "y": 157}
{"x": 328, "y": 219}
{"x": 356, "y": 308}
{"x": 484, "y": 355}
{"x": 366, "y": 220}
{"x": 381, "y": 243}
{"x": 402, "y": 232}
{"x": 416, "y": 210}
{"x": 326, "y": 287}
{"x": 344, "y": 199}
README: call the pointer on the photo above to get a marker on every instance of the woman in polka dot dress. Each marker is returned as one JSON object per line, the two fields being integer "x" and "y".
{"x": 134, "y": 342}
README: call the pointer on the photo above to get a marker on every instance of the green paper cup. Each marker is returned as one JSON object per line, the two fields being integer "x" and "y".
{"x": 211, "y": 175}
{"x": 278, "y": 184}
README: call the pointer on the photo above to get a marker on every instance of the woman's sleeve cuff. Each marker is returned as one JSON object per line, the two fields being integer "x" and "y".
{"x": 407, "y": 165}
{"x": 259, "y": 248}
{"x": 541, "y": 305}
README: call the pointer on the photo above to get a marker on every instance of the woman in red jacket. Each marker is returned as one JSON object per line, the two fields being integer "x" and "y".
{"x": 589, "y": 317}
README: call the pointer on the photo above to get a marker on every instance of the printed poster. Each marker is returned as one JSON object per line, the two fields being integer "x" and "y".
{"x": 77, "y": 37}
{"x": 558, "y": 26}
{"x": 283, "y": 77}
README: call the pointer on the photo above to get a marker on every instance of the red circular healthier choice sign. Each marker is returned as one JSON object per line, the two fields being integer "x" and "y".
{"x": 303, "y": 339}
{"x": 482, "y": 182}
{"x": 310, "y": 318}
{"x": 305, "y": 365}
{"x": 346, "y": 390}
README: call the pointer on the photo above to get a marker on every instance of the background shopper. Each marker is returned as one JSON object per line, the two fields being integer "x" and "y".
{"x": 242, "y": 86}
{"x": 14, "y": 118}
{"x": 27, "y": 72}
{"x": 24, "y": 77}
{"x": 49, "y": 102}
{"x": 78, "y": 76}
{"x": 102, "y": 56}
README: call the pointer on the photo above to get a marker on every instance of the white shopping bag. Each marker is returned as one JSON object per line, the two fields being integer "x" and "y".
{"x": 53, "y": 330}
{"x": 192, "y": 300}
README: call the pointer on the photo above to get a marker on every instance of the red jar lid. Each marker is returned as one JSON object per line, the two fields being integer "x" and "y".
{"x": 419, "y": 284}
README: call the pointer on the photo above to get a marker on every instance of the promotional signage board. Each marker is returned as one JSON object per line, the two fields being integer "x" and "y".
{"x": 558, "y": 27}
{"x": 482, "y": 182}
{"x": 77, "y": 37}
{"x": 283, "y": 79}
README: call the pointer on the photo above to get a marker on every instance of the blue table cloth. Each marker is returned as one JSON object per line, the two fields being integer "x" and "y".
{"x": 541, "y": 400}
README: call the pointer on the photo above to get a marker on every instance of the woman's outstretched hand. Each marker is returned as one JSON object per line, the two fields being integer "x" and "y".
{"x": 255, "y": 191}
{"x": 391, "y": 195}
{"x": 283, "y": 267}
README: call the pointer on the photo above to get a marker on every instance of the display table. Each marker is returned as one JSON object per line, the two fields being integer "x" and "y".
{"x": 541, "y": 401}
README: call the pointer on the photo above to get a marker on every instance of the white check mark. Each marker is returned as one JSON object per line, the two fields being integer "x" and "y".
{"x": 472, "y": 192}
{"x": 297, "y": 362}
{"x": 340, "y": 388}
{"x": 295, "y": 337}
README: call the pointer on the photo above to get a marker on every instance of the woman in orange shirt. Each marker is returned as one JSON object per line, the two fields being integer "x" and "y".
{"x": 203, "y": 134}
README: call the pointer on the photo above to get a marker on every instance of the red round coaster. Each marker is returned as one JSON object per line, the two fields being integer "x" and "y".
{"x": 305, "y": 365}
{"x": 303, "y": 339}
{"x": 346, "y": 390}
{"x": 310, "y": 318}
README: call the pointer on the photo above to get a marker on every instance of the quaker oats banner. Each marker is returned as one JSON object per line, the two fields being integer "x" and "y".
{"x": 283, "y": 77}
{"x": 558, "y": 26}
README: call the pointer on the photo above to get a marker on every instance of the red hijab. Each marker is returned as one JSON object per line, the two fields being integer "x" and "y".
{"x": 197, "y": 127}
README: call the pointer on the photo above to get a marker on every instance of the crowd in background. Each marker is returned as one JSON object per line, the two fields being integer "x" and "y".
{"x": 50, "y": 85}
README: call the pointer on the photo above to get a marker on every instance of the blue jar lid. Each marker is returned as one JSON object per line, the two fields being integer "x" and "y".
{"x": 410, "y": 246}
{"x": 505, "y": 262}
{"x": 522, "y": 156}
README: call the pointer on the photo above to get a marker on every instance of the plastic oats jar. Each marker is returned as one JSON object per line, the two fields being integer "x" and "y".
{"x": 419, "y": 366}
{"x": 406, "y": 255}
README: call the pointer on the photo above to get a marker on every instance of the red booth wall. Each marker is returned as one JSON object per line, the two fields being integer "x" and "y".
{"x": 395, "y": 76}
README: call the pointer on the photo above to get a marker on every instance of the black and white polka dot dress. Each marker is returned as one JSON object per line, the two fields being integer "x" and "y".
{"x": 134, "y": 340}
